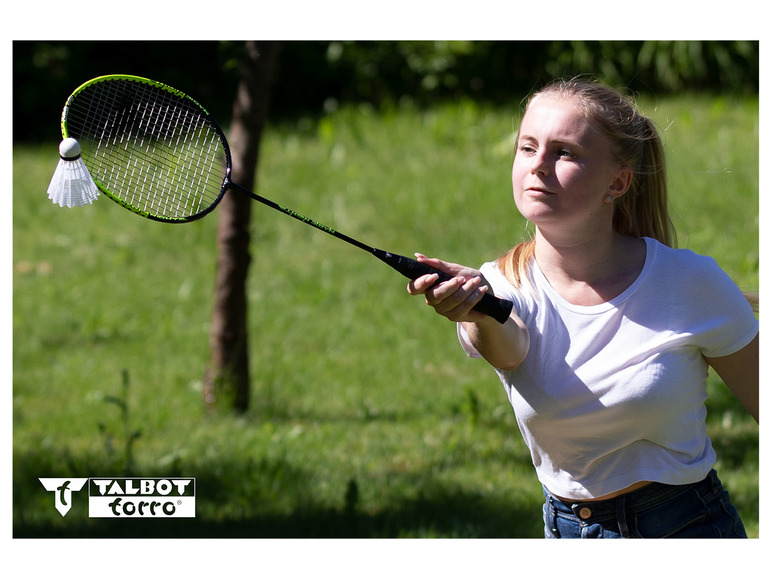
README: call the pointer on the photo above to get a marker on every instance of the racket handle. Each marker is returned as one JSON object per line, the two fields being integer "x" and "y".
{"x": 497, "y": 308}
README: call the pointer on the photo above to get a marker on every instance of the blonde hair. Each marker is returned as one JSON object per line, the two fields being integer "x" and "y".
{"x": 643, "y": 210}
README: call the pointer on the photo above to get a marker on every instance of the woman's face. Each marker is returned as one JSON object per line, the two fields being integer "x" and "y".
{"x": 563, "y": 169}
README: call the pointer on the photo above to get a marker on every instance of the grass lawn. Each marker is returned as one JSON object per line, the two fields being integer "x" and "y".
{"x": 366, "y": 418}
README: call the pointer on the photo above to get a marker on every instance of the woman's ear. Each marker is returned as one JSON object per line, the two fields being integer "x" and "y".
{"x": 621, "y": 183}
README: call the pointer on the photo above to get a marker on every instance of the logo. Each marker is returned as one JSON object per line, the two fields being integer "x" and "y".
{"x": 62, "y": 489}
{"x": 142, "y": 497}
{"x": 128, "y": 497}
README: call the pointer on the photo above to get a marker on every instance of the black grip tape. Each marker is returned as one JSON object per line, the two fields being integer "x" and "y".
{"x": 497, "y": 308}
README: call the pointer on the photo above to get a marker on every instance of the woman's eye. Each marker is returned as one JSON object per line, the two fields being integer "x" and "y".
{"x": 566, "y": 154}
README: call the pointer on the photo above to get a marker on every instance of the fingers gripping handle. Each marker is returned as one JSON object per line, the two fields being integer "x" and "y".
{"x": 497, "y": 308}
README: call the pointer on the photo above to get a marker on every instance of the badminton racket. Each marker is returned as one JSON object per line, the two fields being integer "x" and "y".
{"x": 157, "y": 152}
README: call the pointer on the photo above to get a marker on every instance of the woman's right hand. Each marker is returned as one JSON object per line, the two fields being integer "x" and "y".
{"x": 455, "y": 298}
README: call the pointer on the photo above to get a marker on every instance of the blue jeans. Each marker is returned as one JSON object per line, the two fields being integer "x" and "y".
{"x": 695, "y": 510}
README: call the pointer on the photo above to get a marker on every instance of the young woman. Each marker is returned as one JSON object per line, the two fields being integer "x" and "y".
{"x": 605, "y": 356}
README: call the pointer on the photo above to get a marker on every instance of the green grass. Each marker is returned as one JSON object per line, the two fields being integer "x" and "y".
{"x": 366, "y": 418}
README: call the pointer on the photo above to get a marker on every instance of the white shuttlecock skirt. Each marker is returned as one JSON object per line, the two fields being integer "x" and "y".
{"x": 72, "y": 185}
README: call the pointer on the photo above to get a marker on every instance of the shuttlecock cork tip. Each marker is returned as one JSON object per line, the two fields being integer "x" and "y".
{"x": 69, "y": 149}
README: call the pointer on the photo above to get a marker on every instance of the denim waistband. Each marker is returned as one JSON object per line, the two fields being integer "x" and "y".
{"x": 645, "y": 497}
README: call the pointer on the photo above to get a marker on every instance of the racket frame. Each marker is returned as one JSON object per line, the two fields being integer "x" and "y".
{"x": 226, "y": 183}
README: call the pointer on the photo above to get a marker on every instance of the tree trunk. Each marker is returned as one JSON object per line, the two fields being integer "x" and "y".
{"x": 227, "y": 379}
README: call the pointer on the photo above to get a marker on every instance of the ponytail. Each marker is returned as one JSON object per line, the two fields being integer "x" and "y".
{"x": 642, "y": 211}
{"x": 513, "y": 264}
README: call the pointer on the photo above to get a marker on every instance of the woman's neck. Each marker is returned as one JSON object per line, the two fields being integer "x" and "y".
{"x": 592, "y": 269}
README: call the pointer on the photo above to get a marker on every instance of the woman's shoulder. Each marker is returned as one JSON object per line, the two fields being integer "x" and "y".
{"x": 680, "y": 259}
{"x": 690, "y": 273}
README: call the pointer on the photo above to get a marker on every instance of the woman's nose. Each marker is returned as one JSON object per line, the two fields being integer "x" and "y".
{"x": 539, "y": 164}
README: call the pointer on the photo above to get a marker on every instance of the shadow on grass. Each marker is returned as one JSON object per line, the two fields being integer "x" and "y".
{"x": 431, "y": 518}
{"x": 270, "y": 499}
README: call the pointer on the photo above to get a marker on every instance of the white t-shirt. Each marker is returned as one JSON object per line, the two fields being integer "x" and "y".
{"x": 613, "y": 394}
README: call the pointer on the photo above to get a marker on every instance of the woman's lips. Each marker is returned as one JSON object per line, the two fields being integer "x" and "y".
{"x": 538, "y": 192}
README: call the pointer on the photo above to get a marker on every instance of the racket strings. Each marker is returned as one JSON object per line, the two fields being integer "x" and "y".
{"x": 154, "y": 150}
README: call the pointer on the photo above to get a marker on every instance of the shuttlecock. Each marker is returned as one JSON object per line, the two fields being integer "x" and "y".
{"x": 71, "y": 185}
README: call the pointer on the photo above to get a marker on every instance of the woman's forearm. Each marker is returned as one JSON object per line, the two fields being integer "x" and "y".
{"x": 503, "y": 346}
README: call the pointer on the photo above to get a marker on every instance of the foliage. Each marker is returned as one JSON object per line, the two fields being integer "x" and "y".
{"x": 366, "y": 420}
{"x": 661, "y": 65}
{"x": 425, "y": 71}
{"x": 314, "y": 76}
